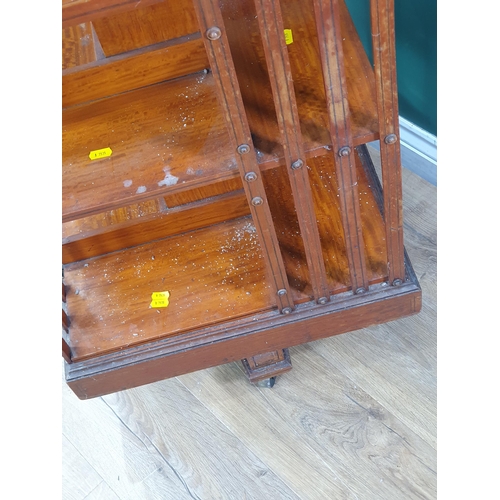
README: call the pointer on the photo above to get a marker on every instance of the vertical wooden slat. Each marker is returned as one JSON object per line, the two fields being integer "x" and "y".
{"x": 66, "y": 351}
{"x": 384, "y": 59}
{"x": 229, "y": 95}
{"x": 280, "y": 74}
{"x": 332, "y": 60}
{"x": 65, "y": 320}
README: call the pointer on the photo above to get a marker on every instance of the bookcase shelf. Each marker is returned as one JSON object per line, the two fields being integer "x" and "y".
{"x": 234, "y": 178}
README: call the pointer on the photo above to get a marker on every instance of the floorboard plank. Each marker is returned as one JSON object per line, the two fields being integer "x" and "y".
{"x": 243, "y": 409}
{"x": 206, "y": 456}
{"x": 114, "y": 451}
{"x": 79, "y": 477}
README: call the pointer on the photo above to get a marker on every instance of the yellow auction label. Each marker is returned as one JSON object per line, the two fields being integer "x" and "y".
{"x": 159, "y": 299}
{"x": 288, "y": 37}
{"x": 100, "y": 153}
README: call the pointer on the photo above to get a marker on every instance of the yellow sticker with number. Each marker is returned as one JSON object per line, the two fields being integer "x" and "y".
{"x": 159, "y": 299}
{"x": 288, "y": 37}
{"x": 100, "y": 153}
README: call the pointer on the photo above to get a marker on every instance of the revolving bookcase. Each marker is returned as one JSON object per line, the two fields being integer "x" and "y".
{"x": 219, "y": 201}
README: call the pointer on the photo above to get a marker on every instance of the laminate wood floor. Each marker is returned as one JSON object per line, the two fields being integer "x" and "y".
{"x": 354, "y": 419}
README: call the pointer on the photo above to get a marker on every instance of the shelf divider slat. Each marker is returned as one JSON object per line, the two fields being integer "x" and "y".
{"x": 384, "y": 59}
{"x": 332, "y": 60}
{"x": 281, "y": 78}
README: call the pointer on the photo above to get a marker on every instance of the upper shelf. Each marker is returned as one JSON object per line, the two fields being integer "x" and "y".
{"x": 171, "y": 136}
{"x": 166, "y": 136}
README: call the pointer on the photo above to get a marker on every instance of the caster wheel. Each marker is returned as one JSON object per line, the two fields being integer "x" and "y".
{"x": 268, "y": 382}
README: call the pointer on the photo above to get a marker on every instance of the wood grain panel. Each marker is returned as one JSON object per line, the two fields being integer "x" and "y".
{"x": 165, "y": 138}
{"x": 208, "y": 191}
{"x": 140, "y": 68}
{"x": 214, "y": 274}
{"x": 145, "y": 26}
{"x": 80, "y": 11}
{"x": 80, "y": 228}
{"x": 153, "y": 226}
{"x": 327, "y": 14}
{"x": 78, "y": 46}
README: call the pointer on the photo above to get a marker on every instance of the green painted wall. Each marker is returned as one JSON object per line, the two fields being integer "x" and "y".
{"x": 416, "y": 56}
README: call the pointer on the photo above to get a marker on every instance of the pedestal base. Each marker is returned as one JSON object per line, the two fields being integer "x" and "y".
{"x": 263, "y": 369}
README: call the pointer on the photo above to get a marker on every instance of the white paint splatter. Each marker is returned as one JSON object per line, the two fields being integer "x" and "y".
{"x": 141, "y": 189}
{"x": 127, "y": 183}
{"x": 169, "y": 180}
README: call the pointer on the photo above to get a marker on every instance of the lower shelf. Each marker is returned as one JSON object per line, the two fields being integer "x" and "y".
{"x": 233, "y": 341}
{"x": 209, "y": 260}
{"x": 221, "y": 306}
{"x": 212, "y": 275}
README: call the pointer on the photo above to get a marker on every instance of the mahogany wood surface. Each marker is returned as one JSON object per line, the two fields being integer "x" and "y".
{"x": 203, "y": 192}
{"x": 66, "y": 351}
{"x": 163, "y": 138}
{"x": 78, "y": 46}
{"x": 278, "y": 65}
{"x": 240, "y": 245}
{"x": 327, "y": 14}
{"x": 202, "y": 349}
{"x": 326, "y": 199}
{"x": 79, "y": 11}
{"x": 117, "y": 287}
{"x": 87, "y": 226}
{"x": 153, "y": 226}
{"x": 213, "y": 275}
{"x": 229, "y": 94}
{"x": 145, "y": 26}
{"x": 384, "y": 59}
{"x": 133, "y": 70}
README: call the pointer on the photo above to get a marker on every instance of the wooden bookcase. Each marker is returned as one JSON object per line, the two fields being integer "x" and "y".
{"x": 208, "y": 155}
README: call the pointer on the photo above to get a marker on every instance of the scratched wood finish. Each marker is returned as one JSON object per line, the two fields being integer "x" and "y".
{"x": 214, "y": 274}
{"x": 78, "y": 46}
{"x": 249, "y": 59}
{"x": 229, "y": 94}
{"x": 145, "y": 26}
{"x": 166, "y": 137}
{"x": 153, "y": 226}
{"x": 139, "y": 68}
{"x": 281, "y": 79}
{"x": 384, "y": 60}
